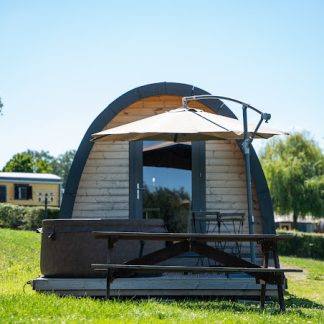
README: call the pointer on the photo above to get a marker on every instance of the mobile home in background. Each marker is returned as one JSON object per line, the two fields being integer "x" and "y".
{"x": 30, "y": 189}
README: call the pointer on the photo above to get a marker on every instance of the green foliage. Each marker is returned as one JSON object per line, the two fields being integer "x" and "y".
{"x": 41, "y": 162}
{"x": 62, "y": 164}
{"x": 27, "y": 218}
{"x": 315, "y": 187}
{"x": 294, "y": 168}
{"x": 30, "y": 161}
{"x": 19, "y": 262}
{"x": 305, "y": 245}
{"x": 20, "y": 162}
{"x": 34, "y": 215}
{"x": 11, "y": 216}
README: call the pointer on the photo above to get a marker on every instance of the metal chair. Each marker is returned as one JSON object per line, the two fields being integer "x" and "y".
{"x": 221, "y": 223}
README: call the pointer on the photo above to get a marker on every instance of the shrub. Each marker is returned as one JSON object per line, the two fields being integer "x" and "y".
{"x": 306, "y": 245}
{"x": 27, "y": 218}
{"x": 11, "y": 216}
{"x": 34, "y": 216}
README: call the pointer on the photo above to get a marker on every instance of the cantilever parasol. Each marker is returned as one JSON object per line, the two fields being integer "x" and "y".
{"x": 182, "y": 125}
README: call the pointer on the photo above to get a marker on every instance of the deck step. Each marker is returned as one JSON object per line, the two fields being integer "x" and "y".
{"x": 165, "y": 285}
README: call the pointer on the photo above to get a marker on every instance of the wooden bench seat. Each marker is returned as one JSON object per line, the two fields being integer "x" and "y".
{"x": 160, "y": 268}
{"x": 276, "y": 275}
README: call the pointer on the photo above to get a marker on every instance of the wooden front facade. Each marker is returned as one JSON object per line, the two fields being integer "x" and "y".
{"x": 105, "y": 187}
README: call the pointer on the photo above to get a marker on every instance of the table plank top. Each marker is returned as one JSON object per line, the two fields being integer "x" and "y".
{"x": 145, "y": 267}
{"x": 202, "y": 237}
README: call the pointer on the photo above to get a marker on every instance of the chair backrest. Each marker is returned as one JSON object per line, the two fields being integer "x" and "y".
{"x": 221, "y": 223}
{"x": 216, "y": 222}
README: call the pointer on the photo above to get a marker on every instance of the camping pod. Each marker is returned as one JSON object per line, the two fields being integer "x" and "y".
{"x": 152, "y": 186}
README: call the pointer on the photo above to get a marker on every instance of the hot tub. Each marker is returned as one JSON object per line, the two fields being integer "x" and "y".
{"x": 68, "y": 247}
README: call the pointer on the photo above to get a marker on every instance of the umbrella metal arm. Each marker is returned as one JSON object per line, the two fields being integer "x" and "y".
{"x": 246, "y": 147}
{"x": 185, "y": 101}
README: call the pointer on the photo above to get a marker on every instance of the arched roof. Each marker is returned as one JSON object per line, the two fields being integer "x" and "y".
{"x": 156, "y": 89}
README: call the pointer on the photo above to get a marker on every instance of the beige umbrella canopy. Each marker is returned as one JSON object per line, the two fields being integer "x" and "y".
{"x": 181, "y": 125}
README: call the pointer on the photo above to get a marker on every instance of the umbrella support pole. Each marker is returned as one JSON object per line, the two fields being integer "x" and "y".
{"x": 246, "y": 145}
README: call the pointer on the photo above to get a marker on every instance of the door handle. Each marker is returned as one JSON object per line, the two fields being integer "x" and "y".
{"x": 138, "y": 188}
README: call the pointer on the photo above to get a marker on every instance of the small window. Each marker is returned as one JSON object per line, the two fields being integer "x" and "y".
{"x": 23, "y": 192}
{"x": 3, "y": 194}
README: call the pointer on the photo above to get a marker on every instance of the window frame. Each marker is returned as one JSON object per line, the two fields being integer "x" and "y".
{"x": 3, "y": 188}
{"x": 18, "y": 191}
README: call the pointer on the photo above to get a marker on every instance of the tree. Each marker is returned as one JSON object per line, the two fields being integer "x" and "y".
{"x": 62, "y": 165}
{"x": 41, "y": 162}
{"x": 30, "y": 161}
{"x": 20, "y": 162}
{"x": 294, "y": 168}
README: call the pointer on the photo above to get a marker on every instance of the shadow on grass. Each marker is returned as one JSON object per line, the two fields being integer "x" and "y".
{"x": 294, "y": 301}
{"x": 294, "y": 305}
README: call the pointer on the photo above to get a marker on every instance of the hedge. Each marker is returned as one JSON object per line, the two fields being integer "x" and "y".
{"x": 26, "y": 218}
{"x": 305, "y": 245}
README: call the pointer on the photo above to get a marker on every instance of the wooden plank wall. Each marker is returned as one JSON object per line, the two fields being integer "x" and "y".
{"x": 104, "y": 186}
{"x": 225, "y": 181}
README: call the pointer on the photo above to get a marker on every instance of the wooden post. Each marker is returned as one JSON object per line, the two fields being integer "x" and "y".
{"x": 108, "y": 279}
{"x": 45, "y": 206}
{"x": 142, "y": 243}
{"x": 108, "y": 284}
{"x": 280, "y": 282}
{"x": 265, "y": 252}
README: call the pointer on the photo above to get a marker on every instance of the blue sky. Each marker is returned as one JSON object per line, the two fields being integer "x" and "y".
{"x": 62, "y": 62}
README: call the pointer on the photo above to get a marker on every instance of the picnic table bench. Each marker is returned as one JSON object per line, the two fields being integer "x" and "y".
{"x": 179, "y": 243}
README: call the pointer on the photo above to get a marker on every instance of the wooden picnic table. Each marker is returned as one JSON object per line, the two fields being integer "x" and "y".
{"x": 196, "y": 242}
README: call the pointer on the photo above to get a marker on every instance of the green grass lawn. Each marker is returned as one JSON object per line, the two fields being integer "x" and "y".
{"x": 19, "y": 262}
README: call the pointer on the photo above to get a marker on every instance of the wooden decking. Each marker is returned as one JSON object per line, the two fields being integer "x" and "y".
{"x": 167, "y": 285}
